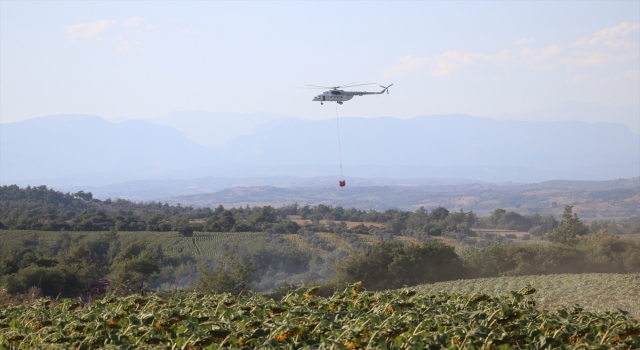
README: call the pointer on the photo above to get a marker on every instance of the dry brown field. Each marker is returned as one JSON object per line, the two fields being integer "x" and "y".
{"x": 350, "y": 224}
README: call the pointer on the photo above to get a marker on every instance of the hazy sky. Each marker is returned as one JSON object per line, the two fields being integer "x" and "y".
{"x": 146, "y": 59}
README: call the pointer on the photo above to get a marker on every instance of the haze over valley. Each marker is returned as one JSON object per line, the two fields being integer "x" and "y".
{"x": 88, "y": 150}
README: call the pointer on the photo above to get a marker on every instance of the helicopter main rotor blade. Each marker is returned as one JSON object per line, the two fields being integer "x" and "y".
{"x": 357, "y": 85}
{"x": 323, "y": 87}
{"x": 332, "y": 87}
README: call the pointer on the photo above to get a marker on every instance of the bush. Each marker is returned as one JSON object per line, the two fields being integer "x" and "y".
{"x": 383, "y": 235}
{"x": 536, "y": 231}
{"x": 50, "y": 280}
{"x": 599, "y": 252}
{"x": 394, "y": 265}
{"x": 501, "y": 259}
{"x": 605, "y": 252}
{"x": 133, "y": 267}
{"x": 360, "y": 229}
{"x": 228, "y": 275}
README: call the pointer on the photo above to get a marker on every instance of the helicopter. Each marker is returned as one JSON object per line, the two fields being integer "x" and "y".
{"x": 340, "y": 96}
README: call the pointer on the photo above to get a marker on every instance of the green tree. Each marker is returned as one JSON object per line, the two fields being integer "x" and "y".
{"x": 229, "y": 275}
{"x": 181, "y": 224}
{"x": 263, "y": 216}
{"x": 133, "y": 267}
{"x": 418, "y": 220}
{"x": 92, "y": 220}
{"x": 77, "y": 268}
{"x": 226, "y": 221}
{"x": 398, "y": 222}
{"x": 569, "y": 228}
{"x": 438, "y": 214}
{"x": 389, "y": 265}
{"x": 222, "y": 221}
{"x": 87, "y": 196}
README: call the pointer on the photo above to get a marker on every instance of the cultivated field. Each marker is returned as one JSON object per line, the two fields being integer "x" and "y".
{"x": 594, "y": 292}
{"x": 202, "y": 244}
{"x": 351, "y": 319}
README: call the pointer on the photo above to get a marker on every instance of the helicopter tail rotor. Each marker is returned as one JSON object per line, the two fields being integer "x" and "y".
{"x": 386, "y": 88}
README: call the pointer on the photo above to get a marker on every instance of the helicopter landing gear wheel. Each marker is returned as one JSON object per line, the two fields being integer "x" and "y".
{"x": 339, "y": 102}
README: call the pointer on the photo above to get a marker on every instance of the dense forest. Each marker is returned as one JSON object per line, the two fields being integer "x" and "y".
{"x": 65, "y": 261}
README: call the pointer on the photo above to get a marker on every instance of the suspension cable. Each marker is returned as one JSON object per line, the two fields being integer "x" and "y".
{"x": 339, "y": 146}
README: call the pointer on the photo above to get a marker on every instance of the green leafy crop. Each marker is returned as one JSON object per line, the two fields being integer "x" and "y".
{"x": 404, "y": 319}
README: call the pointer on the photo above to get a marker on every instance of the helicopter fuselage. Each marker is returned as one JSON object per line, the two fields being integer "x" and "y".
{"x": 340, "y": 96}
{"x": 334, "y": 96}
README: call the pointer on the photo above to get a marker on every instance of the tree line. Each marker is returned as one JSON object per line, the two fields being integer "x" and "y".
{"x": 70, "y": 262}
{"x": 40, "y": 208}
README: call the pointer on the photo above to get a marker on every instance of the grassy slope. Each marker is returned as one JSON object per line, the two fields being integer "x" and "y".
{"x": 593, "y": 292}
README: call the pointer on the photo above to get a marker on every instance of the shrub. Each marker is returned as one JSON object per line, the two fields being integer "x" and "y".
{"x": 394, "y": 265}
{"x": 228, "y": 275}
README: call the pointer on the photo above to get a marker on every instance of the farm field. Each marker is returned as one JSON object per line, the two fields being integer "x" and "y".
{"x": 207, "y": 244}
{"x": 347, "y": 320}
{"x": 593, "y": 292}
{"x": 201, "y": 245}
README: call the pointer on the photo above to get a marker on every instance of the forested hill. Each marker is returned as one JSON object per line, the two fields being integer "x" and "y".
{"x": 592, "y": 199}
{"x": 41, "y": 208}
{"x": 35, "y": 198}
{"x": 42, "y": 199}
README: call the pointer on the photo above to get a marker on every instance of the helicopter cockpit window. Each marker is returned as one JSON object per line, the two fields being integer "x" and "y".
{"x": 335, "y": 92}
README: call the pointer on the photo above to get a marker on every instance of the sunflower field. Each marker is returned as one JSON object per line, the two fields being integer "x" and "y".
{"x": 400, "y": 319}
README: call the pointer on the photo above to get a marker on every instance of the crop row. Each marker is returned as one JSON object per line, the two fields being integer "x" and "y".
{"x": 351, "y": 319}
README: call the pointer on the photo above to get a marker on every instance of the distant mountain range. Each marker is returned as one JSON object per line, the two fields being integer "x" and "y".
{"x": 441, "y": 141}
{"x": 591, "y": 199}
{"x": 215, "y": 129}
{"x": 87, "y": 150}
{"x": 86, "y": 146}
{"x": 590, "y": 112}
